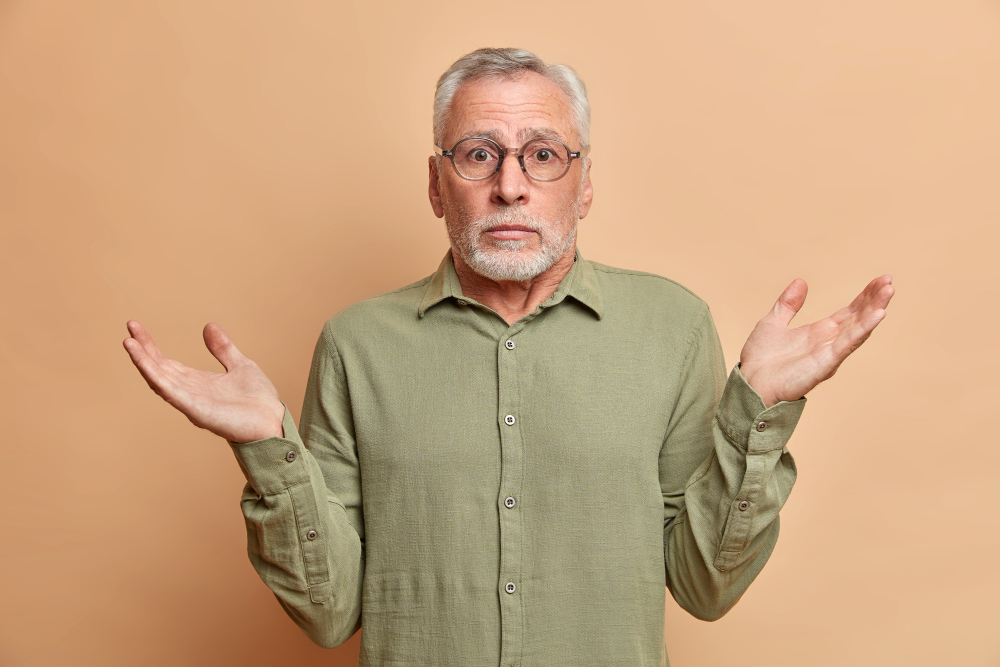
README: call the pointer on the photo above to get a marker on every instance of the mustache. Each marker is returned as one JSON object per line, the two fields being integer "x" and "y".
{"x": 507, "y": 216}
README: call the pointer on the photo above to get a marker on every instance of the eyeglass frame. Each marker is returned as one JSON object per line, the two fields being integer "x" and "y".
{"x": 502, "y": 152}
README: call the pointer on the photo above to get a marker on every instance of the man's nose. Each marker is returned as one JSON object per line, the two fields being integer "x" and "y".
{"x": 511, "y": 184}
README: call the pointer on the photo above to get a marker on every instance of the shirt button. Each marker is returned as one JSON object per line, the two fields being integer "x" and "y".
{"x": 761, "y": 426}
{"x": 510, "y": 587}
{"x": 509, "y": 420}
{"x": 312, "y": 535}
{"x": 290, "y": 456}
{"x": 509, "y": 344}
{"x": 743, "y": 505}
{"x": 509, "y": 501}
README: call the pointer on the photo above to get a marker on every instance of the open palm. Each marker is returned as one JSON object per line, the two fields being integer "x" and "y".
{"x": 783, "y": 364}
{"x": 240, "y": 404}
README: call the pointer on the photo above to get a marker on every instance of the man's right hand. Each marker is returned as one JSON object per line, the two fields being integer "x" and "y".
{"x": 239, "y": 405}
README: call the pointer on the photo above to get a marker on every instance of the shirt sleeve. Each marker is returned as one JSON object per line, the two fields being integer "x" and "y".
{"x": 725, "y": 472}
{"x": 305, "y": 535}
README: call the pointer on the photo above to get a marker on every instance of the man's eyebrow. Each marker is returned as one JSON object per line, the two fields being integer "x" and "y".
{"x": 487, "y": 134}
{"x": 523, "y": 137}
{"x": 530, "y": 133}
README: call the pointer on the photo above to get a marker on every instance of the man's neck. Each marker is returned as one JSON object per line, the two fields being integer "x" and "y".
{"x": 513, "y": 299}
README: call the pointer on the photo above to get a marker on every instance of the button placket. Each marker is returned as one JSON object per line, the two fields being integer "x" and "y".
{"x": 511, "y": 464}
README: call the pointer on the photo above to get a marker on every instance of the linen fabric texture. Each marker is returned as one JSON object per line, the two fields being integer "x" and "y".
{"x": 469, "y": 492}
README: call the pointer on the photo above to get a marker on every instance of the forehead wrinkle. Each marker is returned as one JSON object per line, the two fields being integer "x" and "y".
{"x": 499, "y": 111}
{"x": 550, "y": 101}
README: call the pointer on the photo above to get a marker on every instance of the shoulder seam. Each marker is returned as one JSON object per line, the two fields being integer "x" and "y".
{"x": 604, "y": 268}
{"x": 692, "y": 336}
{"x": 332, "y": 342}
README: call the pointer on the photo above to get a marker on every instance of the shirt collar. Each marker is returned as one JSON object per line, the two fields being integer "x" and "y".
{"x": 580, "y": 283}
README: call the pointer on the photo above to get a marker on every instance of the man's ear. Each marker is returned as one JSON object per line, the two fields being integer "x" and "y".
{"x": 587, "y": 194}
{"x": 433, "y": 191}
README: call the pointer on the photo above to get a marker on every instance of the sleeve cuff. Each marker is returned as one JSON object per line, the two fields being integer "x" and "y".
{"x": 271, "y": 465}
{"x": 748, "y": 424}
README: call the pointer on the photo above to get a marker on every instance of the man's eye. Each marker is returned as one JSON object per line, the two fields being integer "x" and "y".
{"x": 543, "y": 155}
{"x": 480, "y": 155}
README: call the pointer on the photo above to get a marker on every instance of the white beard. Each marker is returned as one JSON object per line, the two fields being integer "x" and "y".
{"x": 501, "y": 259}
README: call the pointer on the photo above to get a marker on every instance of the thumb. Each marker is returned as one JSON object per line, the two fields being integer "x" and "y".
{"x": 790, "y": 301}
{"x": 221, "y": 347}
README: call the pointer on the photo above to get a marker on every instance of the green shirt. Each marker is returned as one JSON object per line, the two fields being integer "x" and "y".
{"x": 476, "y": 493}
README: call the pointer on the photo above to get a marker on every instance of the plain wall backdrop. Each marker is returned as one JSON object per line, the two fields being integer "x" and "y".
{"x": 264, "y": 164}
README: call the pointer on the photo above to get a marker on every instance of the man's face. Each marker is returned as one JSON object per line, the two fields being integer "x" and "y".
{"x": 508, "y": 226}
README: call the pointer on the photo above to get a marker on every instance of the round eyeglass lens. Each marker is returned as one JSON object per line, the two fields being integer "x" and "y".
{"x": 476, "y": 158}
{"x": 546, "y": 159}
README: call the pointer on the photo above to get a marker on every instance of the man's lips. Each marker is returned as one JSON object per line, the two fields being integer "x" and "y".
{"x": 511, "y": 232}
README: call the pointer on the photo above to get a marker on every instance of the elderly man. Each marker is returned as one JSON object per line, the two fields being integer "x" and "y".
{"x": 510, "y": 461}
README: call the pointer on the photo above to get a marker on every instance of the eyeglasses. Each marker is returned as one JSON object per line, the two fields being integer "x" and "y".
{"x": 477, "y": 158}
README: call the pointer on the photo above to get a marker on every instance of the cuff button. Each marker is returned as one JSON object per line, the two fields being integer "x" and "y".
{"x": 761, "y": 426}
{"x": 290, "y": 456}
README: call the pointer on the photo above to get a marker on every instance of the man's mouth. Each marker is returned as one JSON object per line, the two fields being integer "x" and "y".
{"x": 510, "y": 232}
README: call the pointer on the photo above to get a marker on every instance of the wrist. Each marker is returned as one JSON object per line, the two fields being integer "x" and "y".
{"x": 766, "y": 395}
{"x": 278, "y": 429}
{"x": 272, "y": 426}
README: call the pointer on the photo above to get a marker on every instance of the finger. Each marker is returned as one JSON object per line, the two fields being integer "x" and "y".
{"x": 790, "y": 301}
{"x": 877, "y": 301}
{"x": 140, "y": 334}
{"x": 856, "y": 333}
{"x": 873, "y": 288}
{"x": 221, "y": 347}
{"x": 862, "y": 300}
{"x": 858, "y": 303}
{"x": 151, "y": 372}
{"x": 884, "y": 295}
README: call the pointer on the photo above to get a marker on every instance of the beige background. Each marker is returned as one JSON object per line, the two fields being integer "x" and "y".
{"x": 263, "y": 164}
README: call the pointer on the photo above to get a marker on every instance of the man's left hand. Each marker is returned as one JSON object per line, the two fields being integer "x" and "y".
{"x": 783, "y": 364}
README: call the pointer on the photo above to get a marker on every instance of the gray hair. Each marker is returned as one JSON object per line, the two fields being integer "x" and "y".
{"x": 509, "y": 63}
